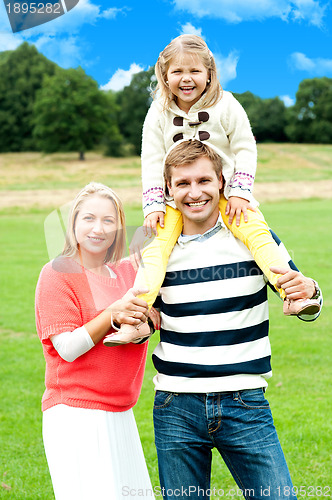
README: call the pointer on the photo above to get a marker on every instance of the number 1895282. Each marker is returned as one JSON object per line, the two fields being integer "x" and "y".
{"x": 34, "y": 8}
{"x": 305, "y": 491}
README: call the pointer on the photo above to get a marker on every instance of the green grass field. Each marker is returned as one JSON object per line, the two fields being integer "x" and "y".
{"x": 276, "y": 162}
{"x": 299, "y": 392}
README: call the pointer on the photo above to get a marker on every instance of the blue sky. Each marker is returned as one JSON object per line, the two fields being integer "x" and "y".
{"x": 265, "y": 46}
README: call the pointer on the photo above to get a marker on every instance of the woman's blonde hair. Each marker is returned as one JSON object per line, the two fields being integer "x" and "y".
{"x": 116, "y": 250}
{"x": 187, "y": 44}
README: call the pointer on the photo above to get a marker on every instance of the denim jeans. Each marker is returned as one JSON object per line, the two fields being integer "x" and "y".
{"x": 239, "y": 424}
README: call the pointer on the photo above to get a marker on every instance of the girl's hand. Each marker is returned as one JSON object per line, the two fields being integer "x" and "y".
{"x": 130, "y": 309}
{"x": 151, "y": 221}
{"x": 155, "y": 318}
{"x": 237, "y": 205}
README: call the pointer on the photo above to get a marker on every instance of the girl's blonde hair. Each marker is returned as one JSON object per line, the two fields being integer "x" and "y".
{"x": 116, "y": 250}
{"x": 187, "y": 44}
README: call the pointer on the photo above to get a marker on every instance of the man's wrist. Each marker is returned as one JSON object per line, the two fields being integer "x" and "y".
{"x": 317, "y": 292}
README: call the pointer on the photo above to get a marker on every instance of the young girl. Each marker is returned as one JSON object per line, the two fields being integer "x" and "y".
{"x": 190, "y": 103}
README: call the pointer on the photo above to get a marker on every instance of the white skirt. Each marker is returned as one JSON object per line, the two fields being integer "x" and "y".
{"x": 94, "y": 454}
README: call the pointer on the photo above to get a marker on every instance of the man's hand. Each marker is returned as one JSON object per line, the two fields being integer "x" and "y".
{"x": 234, "y": 208}
{"x": 296, "y": 285}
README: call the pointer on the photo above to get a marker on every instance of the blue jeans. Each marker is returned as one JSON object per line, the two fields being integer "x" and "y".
{"x": 239, "y": 424}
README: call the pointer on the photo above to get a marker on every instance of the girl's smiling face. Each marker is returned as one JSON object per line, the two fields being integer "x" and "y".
{"x": 96, "y": 225}
{"x": 187, "y": 79}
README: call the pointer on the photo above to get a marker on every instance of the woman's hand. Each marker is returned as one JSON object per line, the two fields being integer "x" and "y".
{"x": 130, "y": 309}
{"x": 237, "y": 205}
{"x": 151, "y": 221}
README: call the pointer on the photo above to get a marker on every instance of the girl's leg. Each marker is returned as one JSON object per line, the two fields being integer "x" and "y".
{"x": 151, "y": 272}
{"x": 256, "y": 236}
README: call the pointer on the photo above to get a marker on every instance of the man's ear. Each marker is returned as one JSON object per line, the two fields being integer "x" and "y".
{"x": 169, "y": 187}
{"x": 221, "y": 182}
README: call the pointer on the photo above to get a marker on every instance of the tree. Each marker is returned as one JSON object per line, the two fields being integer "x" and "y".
{"x": 113, "y": 140}
{"x": 134, "y": 101}
{"x": 70, "y": 113}
{"x": 267, "y": 116}
{"x": 310, "y": 119}
{"x": 21, "y": 75}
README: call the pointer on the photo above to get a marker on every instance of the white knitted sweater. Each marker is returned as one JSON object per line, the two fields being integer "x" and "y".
{"x": 224, "y": 126}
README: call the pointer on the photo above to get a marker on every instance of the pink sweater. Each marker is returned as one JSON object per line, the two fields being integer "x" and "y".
{"x": 104, "y": 378}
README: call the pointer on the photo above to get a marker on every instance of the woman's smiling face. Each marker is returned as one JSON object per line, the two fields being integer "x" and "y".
{"x": 96, "y": 225}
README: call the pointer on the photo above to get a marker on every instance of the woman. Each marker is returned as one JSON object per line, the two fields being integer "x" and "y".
{"x": 90, "y": 436}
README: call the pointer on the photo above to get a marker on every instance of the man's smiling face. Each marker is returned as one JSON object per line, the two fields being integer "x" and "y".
{"x": 196, "y": 190}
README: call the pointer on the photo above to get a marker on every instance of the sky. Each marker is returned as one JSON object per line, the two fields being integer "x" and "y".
{"x": 265, "y": 46}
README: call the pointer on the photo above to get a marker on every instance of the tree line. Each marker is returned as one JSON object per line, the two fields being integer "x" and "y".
{"x": 46, "y": 108}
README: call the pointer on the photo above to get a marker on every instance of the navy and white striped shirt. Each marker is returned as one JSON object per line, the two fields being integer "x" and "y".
{"x": 214, "y": 317}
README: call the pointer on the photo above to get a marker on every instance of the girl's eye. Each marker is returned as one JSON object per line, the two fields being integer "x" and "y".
{"x": 109, "y": 221}
{"x": 87, "y": 218}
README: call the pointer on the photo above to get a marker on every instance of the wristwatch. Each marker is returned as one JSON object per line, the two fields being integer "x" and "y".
{"x": 317, "y": 293}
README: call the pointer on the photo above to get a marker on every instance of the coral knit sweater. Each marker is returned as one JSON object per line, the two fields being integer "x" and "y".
{"x": 104, "y": 378}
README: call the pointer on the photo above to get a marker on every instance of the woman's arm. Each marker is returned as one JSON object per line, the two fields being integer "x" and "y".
{"x": 130, "y": 309}
{"x": 71, "y": 345}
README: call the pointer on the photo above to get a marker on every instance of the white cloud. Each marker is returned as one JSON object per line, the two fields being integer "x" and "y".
{"x": 317, "y": 66}
{"x": 288, "y": 101}
{"x": 122, "y": 78}
{"x": 112, "y": 12}
{"x": 227, "y": 66}
{"x": 67, "y": 52}
{"x": 236, "y": 11}
{"x": 189, "y": 29}
{"x": 9, "y": 42}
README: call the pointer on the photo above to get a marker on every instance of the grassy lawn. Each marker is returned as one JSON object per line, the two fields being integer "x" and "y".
{"x": 293, "y": 162}
{"x": 22, "y": 171}
{"x": 299, "y": 391}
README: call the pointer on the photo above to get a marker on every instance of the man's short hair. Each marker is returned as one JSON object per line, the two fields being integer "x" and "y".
{"x": 187, "y": 152}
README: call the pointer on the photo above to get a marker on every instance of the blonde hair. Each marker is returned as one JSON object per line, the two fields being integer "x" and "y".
{"x": 188, "y": 44}
{"x": 116, "y": 250}
{"x": 187, "y": 152}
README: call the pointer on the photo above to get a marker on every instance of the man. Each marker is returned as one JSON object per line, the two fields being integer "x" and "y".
{"x": 213, "y": 359}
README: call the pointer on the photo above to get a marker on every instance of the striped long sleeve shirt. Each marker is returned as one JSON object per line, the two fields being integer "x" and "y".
{"x": 214, "y": 317}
